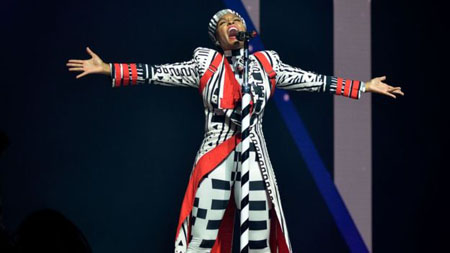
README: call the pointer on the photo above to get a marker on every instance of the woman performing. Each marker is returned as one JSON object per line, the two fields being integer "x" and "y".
{"x": 207, "y": 213}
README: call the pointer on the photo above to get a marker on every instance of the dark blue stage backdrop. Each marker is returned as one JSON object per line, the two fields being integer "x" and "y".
{"x": 116, "y": 161}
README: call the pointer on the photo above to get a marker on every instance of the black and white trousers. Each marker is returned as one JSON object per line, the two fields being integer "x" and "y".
{"x": 211, "y": 200}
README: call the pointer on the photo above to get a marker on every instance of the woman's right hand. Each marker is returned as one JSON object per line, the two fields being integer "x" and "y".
{"x": 95, "y": 65}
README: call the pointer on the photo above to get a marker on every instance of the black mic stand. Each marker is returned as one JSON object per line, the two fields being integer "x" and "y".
{"x": 244, "y": 158}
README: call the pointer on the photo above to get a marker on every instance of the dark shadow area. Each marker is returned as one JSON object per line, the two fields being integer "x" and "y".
{"x": 409, "y": 46}
{"x": 4, "y": 142}
{"x": 6, "y": 243}
{"x": 49, "y": 231}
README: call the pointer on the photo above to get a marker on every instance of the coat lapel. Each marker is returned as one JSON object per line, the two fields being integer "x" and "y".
{"x": 229, "y": 87}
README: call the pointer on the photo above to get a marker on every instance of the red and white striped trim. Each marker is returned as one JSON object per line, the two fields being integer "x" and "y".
{"x": 349, "y": 88}
{"x": 124, "y": 74}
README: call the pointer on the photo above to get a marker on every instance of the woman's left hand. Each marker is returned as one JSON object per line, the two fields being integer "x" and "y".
{"x": 377, "y": 86}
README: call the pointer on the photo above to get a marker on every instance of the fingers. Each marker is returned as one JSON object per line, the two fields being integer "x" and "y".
{"x": 396, "y": 90}
{"x": 389, "y": 94}
{"x": 75, "y": 64}
{"x": 78, "y": 65}
{"x": 390, "y": 88}
{"x": 76, "y": 69}
{"x": 82, "y": 74}
{"x": 386, "y": 89}
{"x": 76, "y": 61}
{"x": 90, "y": 52}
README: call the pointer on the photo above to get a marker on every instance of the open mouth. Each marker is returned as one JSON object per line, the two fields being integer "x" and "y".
{"x": 232, "y": 31}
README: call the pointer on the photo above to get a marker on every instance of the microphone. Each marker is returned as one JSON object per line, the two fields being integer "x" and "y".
{"x": 241, "y": 36}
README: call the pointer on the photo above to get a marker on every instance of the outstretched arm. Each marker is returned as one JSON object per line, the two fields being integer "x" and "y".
{"x": 293, "y": 78}
{"x": 184, "y": 74}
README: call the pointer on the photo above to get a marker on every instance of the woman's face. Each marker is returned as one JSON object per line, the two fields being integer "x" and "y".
{"x": 225, "y": 25}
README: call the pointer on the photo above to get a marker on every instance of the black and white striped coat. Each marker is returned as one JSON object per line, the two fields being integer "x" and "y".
{"x": 222, "y": 124}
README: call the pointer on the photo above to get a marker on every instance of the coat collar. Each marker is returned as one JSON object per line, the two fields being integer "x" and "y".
{"x": 234, "y": 52}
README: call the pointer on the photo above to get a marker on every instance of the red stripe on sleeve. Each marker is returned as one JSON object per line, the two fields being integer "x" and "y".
{"x": 339, "y": 86}
{"x": 348, "y": 83}
{"x": 355, "y": 89}
{"x": 269, "y": 70}
{"x": 117, "y": 77}
{"x": 126, "y": 74}
{"x": 133, "y": 74}
{"x": 209, "y": 72}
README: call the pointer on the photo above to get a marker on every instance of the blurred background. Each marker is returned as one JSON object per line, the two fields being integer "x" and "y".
{"x": 116, "y": 161}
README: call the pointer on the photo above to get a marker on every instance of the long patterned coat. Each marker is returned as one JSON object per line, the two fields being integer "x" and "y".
{"x": 222, "y": 123}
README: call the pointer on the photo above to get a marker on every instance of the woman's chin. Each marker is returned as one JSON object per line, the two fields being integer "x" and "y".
{"x": 235, "y": 44}
{"x": 232, "y": 44}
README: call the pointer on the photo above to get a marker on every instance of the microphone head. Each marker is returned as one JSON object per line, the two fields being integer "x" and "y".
{"x": 246, "y": 35}
{"x": 241, "y": 36}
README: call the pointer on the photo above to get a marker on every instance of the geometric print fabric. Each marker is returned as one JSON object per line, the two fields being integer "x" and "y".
{"x": 211, "y": 201}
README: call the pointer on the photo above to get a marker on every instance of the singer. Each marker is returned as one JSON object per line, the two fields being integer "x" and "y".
{"x": 211, "y": 199}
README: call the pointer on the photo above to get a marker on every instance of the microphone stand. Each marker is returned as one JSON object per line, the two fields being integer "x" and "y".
{"x": 245, "y": 151}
